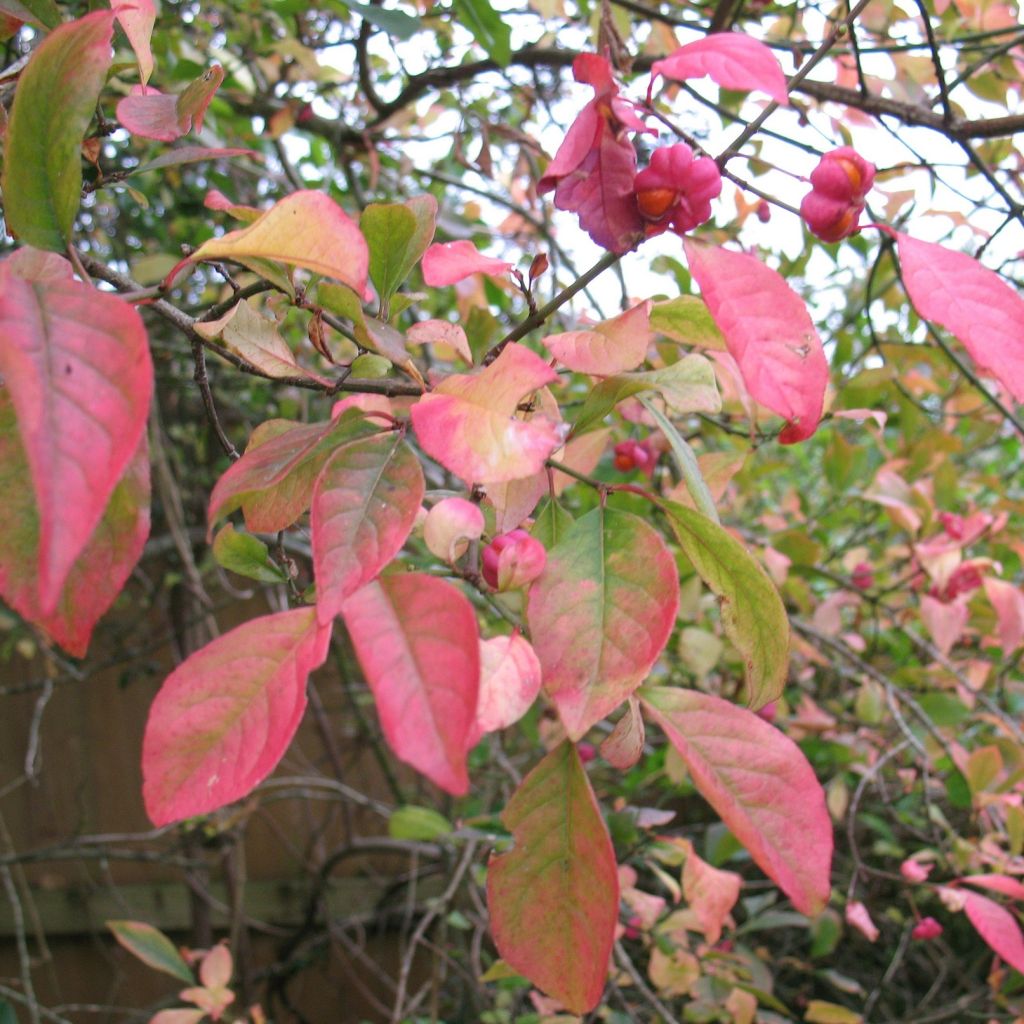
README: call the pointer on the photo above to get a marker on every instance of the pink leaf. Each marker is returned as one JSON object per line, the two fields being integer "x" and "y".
{"x": 364, "y": 506}
{"x": 857, "y": 916}
{"x": 151, "y": 114}
{"x": 997, "y": 883}
{"x": 468, "y": 422}
{"x": 417, "y": 642}
{"x": 624, "y": 746}
{"x": 711, "y": 893}
{"x": 273, "y": 481}
{"x": 446, "y": 263}
{"x": 137, "y": 18}
{"x": 611, "y": 347}
{"x": 759, "y": 783}
{"x": 730, "y": 59}
{"x": 76, "y": 364}
{"x": 971, "y": 302}
{"x": 601, "y": 613}
{"x": 997, "y": 926}
{"x": 1008, "y": 602}
{"x": 945, "y": 622}
{"x": 509, "y": 683}
{"x": 432, "y": 332}
{"x": 105, "y": 563}
{"x": 225, "y": 716}
{"x": 554, "y": 898}
{"x": 768, "y": 332}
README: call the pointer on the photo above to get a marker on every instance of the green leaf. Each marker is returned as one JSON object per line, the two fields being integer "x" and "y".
{"x": 398, "y": 234}
{"x": 152, "y": 947}
{"x": 7, "y": 1014}
{"x": 246, "y": 555}
{"x": 395, "y": 23}
{"x": 687, "y": 386}
{"x": 687, "y": 320}
{"x": 418, "y": 823}
{"x": 42, "y": 13}
{"x": 752, "y": 611}
{"x": 554, "y": 898}
{"x": 487, "y": 26}
{"x": 55, "y": 101}
{"x": 551, "y": 523}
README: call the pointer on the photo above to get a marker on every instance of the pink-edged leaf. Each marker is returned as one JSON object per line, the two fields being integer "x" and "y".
{"x": 732, "y": 60}
{"x": 38, "y": 265}
{"x": 554, "y": 897}
{"x": 759, "y": 783}
{"x": 101, "y": 569}
{"x": 307, "y": 229}
{"x": 216, "y": 967}
{"x": 196, "y": 97}
{"x": 76, "y": 363}
{"x": 468, "y": 421}
{"x": 225, "y": 716}
{"x": 858, "y": 917}
{"x": 997, "y": 926}
{"x": 752, "y": 612}
{"x": 1008, "y": 602}
{"x": 364, "y": 506}
{"x": 711, "y": 893}
{"x": 417, "y": 642}
{"x": 1004, "y": 884}
{"x": 446, "y": 263}
{"x": 610, "y": 347}
{"x": 245, "y": 332}
{"x": 273, "y": 481}
{"x": 509, "y": 683}
{"x": 624, "y": 745}
{"x": 53, "y": 106}
{"x": 971, "y": 302}
{"x": 600, "y": 614}
{"x": 137, "y": 18}
{"x": 769, "y": 333}
{"x": 945, "y": 622}
{"x": 433, "y": 332}
{"x": 449, "y": 527}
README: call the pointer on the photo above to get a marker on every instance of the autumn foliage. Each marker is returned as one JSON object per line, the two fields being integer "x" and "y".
{"x": 575, "y": 538}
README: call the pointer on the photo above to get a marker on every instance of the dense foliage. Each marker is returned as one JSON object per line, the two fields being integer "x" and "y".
{"x": 684, "y": 591}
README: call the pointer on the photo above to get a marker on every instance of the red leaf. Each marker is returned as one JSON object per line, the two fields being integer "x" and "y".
{"x": 468, "y": 422}
{"x": 732, "y": 60}
{"x": 554, "y": 898}
{"x": 76, "y": 363}
{"x": 364, "y": 507}
{"x": 225, "y": 716}
{"x": 972, "y": 302}
{"x": 446, "y": 263}
{"x": 997, "y": 926}
{"x": 273, "y": 481}
{"x": 759, "y": 783}
{"x": 601, "y": 613}
{"x": 997, "y": 883}
{"x": 768, "y": 332}
{"x": 610, "y": 347}
{"x": 417, "y": 642}
{"x": 104, "y": 565}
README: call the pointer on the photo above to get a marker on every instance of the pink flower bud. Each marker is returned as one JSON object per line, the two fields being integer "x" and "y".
{"x": 839, "y": 184}
{"x": 630, "y": 455}
{"x": 587, "y": 752}
{"x": 675, "y": 190}
{"x": 927, "y": 928}
{"x": 862, "y": 577}
{"x": 512, "y": 560}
